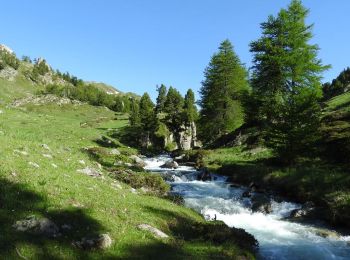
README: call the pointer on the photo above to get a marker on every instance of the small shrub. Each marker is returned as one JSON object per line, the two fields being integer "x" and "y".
{"x": 152, "y": 182}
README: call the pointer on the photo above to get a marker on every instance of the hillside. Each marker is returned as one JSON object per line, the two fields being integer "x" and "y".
{"x": 62, "y": 194}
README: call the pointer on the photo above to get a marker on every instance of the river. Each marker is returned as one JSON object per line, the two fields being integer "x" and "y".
{"x": 278, "y": 238}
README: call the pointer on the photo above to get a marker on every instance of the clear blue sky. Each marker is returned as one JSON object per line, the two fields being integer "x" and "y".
{"x": 136, "y": 44}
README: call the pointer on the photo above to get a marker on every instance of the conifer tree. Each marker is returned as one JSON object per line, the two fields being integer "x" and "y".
{"x": 225, "y": 81}
{"x": 173, "y": 107}
{"x": 190, "y": 109}
{"x": 147, "y": 114}
{"x": 134, "y": 117}
{"x": 162, "y": 93}
{"x": 286, "y": 77}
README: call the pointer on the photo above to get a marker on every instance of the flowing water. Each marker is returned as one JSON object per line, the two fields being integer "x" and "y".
{"x": 278, "y": 238}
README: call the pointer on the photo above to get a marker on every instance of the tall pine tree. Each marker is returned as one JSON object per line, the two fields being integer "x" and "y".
{"x": 162, "y": 92}
{"x": 190, "y": 109}
{"x": 286, "y": 76}
{"x": 225, "y": 81}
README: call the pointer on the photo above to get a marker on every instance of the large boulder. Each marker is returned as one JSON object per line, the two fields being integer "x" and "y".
{"x": 138, "y": 161}
{"x": 101, "y": 241}
{"x": 40, "y": 226}
{"x": 261, "y": 203}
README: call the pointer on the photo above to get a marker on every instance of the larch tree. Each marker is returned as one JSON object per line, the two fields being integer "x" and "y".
{"x": 162, "y": 93}
{"x": 286, "y": 76}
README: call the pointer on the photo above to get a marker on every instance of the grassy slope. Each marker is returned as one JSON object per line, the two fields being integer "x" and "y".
{"x": 326, "y": 184}
{"x": 89, "y": 205}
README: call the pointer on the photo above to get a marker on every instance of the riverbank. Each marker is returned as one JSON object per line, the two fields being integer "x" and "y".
{"x": 327, "y": 186}
{"x": 279, "y": 237}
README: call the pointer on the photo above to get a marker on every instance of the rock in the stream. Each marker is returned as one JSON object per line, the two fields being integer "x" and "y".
{"x": 308, "y": 210}
{"x": 261, "y": 203}
{"x": 246, "y": 194}
{"x": 204, "y": 175}
{"x": 35, "y": 225}
{"x": 156, "y": 232}
{"x": 102, "y": 241}
{"x": 138, "y": 161}
{"x": 170, "y": 165}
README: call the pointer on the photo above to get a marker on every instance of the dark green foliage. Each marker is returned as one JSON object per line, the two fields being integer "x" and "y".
{"x": 162, "y": 93}
{"x": 154, "y": 183}
{"x": 338, "y": 86}
{"x": 225, "y": 81}
{"x": 148, "y": 118}
{"x": 8, "y": 59}
{"x": 294, "y": 128}
{"x": 41, "y": 68}
{"x": 173, "y": 108}
{"x": 134, "y": 118}
{"x": 286, "y": 78}
{"x": 190, "y": 109}
{"x": 26, "y": 59}
{"x": 85, "y": 93}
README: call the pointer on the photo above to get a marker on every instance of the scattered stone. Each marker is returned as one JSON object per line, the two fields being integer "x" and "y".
{"x": 54, "y": 165}
{"x": 34, "y": 225}
{"x": 102, "y": 241}
{"x": 170, "y": 165}
{"x": 117, "y": 185}
{"x": 128, "y": 164}
{"x": 49, "y": 156}
{"x": 1, "y": 112}
{"x": 133, "y": 191}
{"x": 46, "y": 147}
{"x": 21, "y": 152}
{"x": 82, "y": 162}
{"x": 156, "y": 232}
{"x": 34, "y": 164}
{"x": 38, "y": 99}
{"x": 99, "y": 165}
{"x": 114, "y": 152}
{"x": 90, "y": 171}
{"x": 14, "y": 174}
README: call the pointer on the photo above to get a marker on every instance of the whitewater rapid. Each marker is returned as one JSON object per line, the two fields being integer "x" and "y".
{"x": 278, "y": 238}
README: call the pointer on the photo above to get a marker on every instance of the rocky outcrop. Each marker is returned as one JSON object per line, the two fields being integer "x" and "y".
{"x": 188, "y": 137}
{"x": 6, "y": 49}
{"x": 8, "y": 73}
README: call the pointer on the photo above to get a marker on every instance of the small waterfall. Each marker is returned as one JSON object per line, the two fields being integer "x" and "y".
{"x": 278, "y": 238}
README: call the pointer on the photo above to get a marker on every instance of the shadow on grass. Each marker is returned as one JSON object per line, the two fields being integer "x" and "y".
{"x": 17, "y": 202}
{"x": 195, "y": 240}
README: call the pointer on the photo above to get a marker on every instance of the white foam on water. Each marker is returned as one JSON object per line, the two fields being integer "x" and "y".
{"x": 278, "y": 238}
